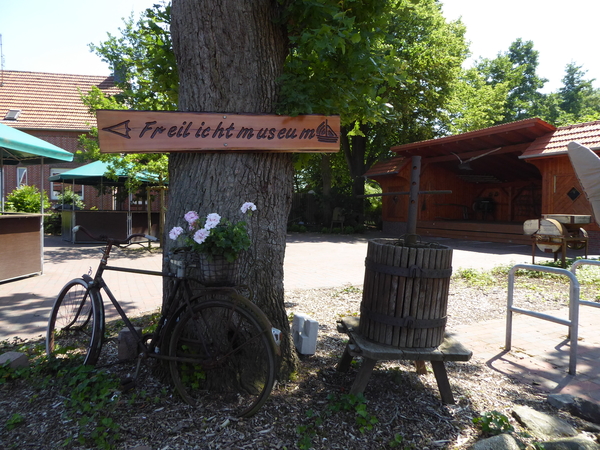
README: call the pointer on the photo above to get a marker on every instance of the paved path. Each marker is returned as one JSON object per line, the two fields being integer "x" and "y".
{"x": 539, "y": 355}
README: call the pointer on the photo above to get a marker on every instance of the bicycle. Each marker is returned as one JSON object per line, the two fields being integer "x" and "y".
{"x": 220, "y": 347}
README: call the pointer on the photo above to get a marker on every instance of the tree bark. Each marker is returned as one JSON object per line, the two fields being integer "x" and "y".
{"x": 229, "y": 55}
{"x": 355, "y": 149}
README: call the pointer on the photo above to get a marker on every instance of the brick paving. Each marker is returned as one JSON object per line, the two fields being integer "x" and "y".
{"x": 540, "y": 349}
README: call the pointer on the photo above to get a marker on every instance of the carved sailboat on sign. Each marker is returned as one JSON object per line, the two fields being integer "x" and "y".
{"x": 587, "y": 168}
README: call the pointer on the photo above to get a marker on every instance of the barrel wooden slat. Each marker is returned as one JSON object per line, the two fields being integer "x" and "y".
{"x": 429, "y": 302}
{"x": 403, "y": 258}
{"x": 414, "y": 298}
{"x": 394, "y": 260}
{"x": 373, "y": 293}
{"x": 444, "y": 292}
{"x": 430, "y": 334}
{"x": 441, "y": 296}
{"x": 405, "y": 298}
{"x": 384, "y": 290}
{"x": 425, "y": 301}
{"x": 379, "y": 291}
{"x": 368, "y": 296}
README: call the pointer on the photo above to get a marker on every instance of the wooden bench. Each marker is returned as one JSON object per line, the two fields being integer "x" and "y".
{"x": 371, "y": 352}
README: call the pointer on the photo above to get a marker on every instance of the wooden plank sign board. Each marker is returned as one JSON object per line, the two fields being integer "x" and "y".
{"x": 123, "y": 131}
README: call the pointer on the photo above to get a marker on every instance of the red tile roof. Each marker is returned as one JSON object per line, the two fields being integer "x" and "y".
{"x": 49, "y": 101}
{"x": 555, "y": 143}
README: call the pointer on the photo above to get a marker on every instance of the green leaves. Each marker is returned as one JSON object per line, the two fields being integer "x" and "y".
{"x": 493, "y": 423}
{"x": 26, "y": 198}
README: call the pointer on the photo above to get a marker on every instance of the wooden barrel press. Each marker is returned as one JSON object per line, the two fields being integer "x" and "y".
{"x": 405, "y": 293}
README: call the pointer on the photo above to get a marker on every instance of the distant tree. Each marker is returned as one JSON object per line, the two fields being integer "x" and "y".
{"x": 575, "y": 102}
{"x": 524, "y": 95}
{"x": 142, "y": 60}
{"x": 499, "y": 90}
{"x": 579, "y": 98}
{"x": 474, "y": 103}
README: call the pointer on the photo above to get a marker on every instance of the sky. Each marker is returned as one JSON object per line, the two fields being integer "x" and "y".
{"x": 561, "y": 31}
{"x": 53, "y": 36}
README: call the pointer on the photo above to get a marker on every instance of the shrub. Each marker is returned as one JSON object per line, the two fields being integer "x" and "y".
{"x": 68, "y": 197}
{"x": 26, "y": 199}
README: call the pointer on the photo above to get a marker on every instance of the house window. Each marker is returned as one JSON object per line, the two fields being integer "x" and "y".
{"x": 56, "y": 188}
{"x": 21, "y": 176}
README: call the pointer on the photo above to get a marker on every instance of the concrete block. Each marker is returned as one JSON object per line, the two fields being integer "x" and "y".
{"x": 17, "y": 360}
{"x": 304, "y": 333}
{"x": 128, "y": 344}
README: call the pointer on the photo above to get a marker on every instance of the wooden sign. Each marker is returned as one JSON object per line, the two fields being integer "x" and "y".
{"x": 122, "y": 131}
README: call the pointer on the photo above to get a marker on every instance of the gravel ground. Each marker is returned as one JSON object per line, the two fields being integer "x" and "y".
{"x": 402, "y": 409}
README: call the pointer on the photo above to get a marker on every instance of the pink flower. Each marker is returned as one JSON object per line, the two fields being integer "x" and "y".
{"x": 212, "y": 220}
{"x": 248, "y": 206}
{"x": 191, "y": 217}
{"x": 175, "y": 232}
{"x": 201, "y": 235}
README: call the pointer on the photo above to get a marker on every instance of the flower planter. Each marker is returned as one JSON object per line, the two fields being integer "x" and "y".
{"x": 405, "y": 293}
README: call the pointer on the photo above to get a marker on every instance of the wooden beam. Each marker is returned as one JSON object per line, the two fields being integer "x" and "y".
{"x": 467, "y": 155}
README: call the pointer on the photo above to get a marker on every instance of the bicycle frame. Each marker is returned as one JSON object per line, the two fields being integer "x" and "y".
{"x": 98, "y": 284}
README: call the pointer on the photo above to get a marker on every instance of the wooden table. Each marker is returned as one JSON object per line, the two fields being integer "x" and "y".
{"x": 371, "y": 352}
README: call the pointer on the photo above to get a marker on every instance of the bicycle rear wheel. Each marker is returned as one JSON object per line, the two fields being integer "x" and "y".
{"x": 225, "y": 356}
{"x": 75, "y": 325}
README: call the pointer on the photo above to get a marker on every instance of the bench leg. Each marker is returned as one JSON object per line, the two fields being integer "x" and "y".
{"x": 360, "y": 383}
{"x": 441, "y": 376}
{"x": 421, "y": 367}
{"x": 345, "y": 361}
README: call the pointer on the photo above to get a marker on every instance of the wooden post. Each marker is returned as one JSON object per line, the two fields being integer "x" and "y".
{"x": 413, "y": 202}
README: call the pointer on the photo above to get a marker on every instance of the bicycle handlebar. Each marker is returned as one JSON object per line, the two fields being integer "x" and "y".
{"x": 127, "y": 240}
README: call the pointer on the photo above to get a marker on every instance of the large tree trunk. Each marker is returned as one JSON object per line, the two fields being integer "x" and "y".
{"x": 229, "y": 55}
{"x": 355, "y": 149}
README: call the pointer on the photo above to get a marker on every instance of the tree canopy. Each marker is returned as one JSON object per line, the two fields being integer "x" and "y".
{"x": 390, "y": 68}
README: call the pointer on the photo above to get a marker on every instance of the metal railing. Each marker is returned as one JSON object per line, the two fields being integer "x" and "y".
{"x": 572, "y": 322}
{"x": 582, "y": 262}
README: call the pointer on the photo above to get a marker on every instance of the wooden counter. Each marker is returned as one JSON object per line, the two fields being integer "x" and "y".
{"x": 21, "y": 248}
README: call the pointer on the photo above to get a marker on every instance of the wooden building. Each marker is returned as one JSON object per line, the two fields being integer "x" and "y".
{"x": 499, "y": 176}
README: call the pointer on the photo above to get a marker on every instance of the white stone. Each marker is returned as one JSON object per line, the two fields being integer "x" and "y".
{"x": 304, "y": 333}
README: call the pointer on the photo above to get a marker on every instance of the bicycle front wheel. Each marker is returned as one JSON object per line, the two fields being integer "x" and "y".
{"x": 75, "y": 324}
{"x": 224, "y": 356}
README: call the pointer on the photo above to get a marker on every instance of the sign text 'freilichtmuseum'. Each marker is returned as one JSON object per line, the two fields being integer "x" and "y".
{"x": 122, "y": 131}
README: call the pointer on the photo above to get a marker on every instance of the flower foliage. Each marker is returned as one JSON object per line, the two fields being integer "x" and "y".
{"x": 214, "y": 235}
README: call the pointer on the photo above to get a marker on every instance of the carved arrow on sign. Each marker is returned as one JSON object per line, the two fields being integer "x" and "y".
{"x": 115, "y": 129}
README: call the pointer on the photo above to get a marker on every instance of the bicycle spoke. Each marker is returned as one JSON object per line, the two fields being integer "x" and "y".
{"x": 226, "y": 360}
{"x": 72, "y": 327}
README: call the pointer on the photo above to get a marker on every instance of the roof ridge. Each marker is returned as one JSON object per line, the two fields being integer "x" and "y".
{"x": 578, "y": 125}
{"x": 55, "y": 74}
